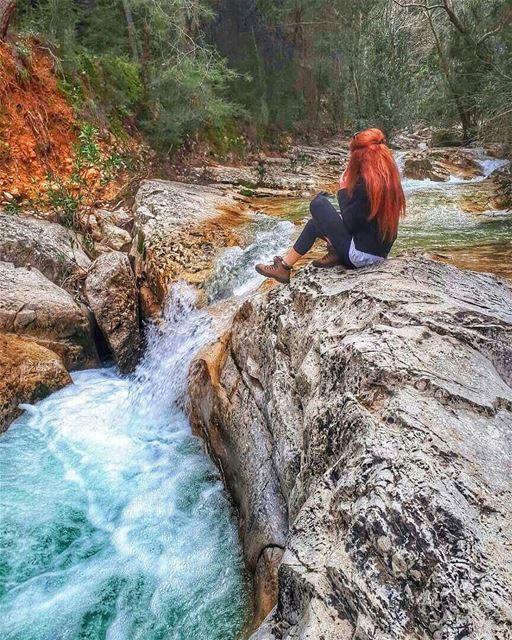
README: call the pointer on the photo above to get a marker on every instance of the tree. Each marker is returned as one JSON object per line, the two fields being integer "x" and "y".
{"x": 7, "y": 9}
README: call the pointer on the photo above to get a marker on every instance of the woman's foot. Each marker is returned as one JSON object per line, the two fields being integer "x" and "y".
{"x": 329, "y": 260}
{"x": 279, "y": 270}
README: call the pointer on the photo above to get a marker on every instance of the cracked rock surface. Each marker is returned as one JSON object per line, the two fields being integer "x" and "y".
{"x": 363, "y": 424}
{"x": 178, "y": 229}
{"x": 112, "y": 295}
{"x": 34, "y": 307}
{"x": 47, "y": 246}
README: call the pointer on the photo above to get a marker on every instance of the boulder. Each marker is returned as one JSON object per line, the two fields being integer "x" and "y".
{"x": 500, "y": 150}
{"x": 114, "y": 237}
{"x": 112, "y": 295}
{"x": 119, "y": 217}
{"x": 34, "y": 307}
{"x": 29, "y": 373}
{"x": 439, "y": 165}
{"x": 106, "y": 234}
{"x": 302, "y": 170}
{"x": 363, "y": 422}
{"x": 48, "y": 246}
{"x": 178, "y": 230}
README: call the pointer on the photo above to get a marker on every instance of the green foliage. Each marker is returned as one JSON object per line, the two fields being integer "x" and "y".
{"x": 69, "y": 197}
{"x": 187, "y": 98}
{"x": 266, "y": 67}
{"x": 12, "y": 207}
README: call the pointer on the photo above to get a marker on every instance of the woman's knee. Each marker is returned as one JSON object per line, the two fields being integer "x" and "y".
{"x": 320, "y": 206}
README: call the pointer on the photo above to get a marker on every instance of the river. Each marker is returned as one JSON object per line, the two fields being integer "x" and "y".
{"x": 115, "y": 524}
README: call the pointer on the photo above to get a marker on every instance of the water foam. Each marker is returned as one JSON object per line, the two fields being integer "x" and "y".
{"x": 115, "y": 524}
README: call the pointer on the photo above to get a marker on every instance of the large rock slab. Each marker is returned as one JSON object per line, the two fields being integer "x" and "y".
{"x": 47, "y": 246}
{"x": 29, "y": 373}
{"x": 300, "y": 171}
{"x": 112, "y": 295}
{"x": 178, "y": 230}
{"x": 363, "y": 423}
{"x": 439, "y": 165}
{"x": 32, "y": 306}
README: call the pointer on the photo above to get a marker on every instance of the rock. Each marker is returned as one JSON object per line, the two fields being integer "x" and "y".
{"x": 446, "y": 138}
{"x": 29, "y": 373}
{"x": 119, "y": 217}
{"x": 418, "y": 138}
{"x": 421, "y": 167}
{"x": 102, "y": 227}
{"x": 302, "y": 169}
{"x": 439, "y": 165}
{"x": 34, "y": 307}
{"x": 179, "y": 229}
{"x": 363, "y": 421}
{"x": 112, "y": 295}
{"x": 499, "y": 150}
{"x": 149, "y": 307}
{"x": 501, "y": 179}
{"x": 47, "y": 246}
{"x": 114, "y": 237}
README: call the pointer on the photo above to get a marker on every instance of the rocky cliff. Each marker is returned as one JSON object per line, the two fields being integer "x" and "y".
{"x": 363, "y": 423}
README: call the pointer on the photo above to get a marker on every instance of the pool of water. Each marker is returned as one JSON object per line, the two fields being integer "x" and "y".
{"x": 115, "y": 524}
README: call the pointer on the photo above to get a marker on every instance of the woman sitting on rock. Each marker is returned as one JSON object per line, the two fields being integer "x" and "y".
{"x": 371, "y": 201}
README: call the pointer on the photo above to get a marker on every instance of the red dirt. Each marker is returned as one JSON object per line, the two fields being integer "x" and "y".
{"x": 37, "y": 125}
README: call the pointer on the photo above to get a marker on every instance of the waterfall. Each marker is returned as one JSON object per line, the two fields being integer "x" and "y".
{"x": 115, "y": 524}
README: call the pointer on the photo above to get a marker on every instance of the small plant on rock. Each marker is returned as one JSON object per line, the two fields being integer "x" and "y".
{"x": 72, "y": 197}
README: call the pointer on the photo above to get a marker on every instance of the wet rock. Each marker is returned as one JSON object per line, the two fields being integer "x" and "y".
{"x": 439, "y": 164}
{"x": 34, "y": 307}
{"x": 48, "y": 246}
{"x": 179, "y": 229}
{"x": 420, "y": 167}
{"x": 112, "y": 295}
{"x": 148, "y": 304}
{"x": 362, "y": 420}
{"x": 29, "y": 373}
{"x": 500, "y": 150}
{"x": 302, "y": 170}
{"x": 501, "y": 179}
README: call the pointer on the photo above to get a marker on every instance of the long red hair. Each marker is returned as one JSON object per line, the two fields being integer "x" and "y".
{"x": 371, "y": 159}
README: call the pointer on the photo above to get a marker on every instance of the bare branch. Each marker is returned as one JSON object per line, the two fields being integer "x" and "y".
{"x": 424, "y": 7}
{"x": 506, "y": 20}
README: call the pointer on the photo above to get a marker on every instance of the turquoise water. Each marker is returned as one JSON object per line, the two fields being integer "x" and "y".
{"x": 115, "y": 524}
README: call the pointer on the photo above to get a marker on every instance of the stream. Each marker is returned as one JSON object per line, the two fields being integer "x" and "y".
{"x": 115, "y": 524}
{"x": 439, "y": 220}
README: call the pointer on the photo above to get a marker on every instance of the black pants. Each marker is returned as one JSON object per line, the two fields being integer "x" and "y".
{"x": 328, "y": 224}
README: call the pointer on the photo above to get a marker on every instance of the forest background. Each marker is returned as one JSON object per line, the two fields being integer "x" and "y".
{"x": 236, "y": 74}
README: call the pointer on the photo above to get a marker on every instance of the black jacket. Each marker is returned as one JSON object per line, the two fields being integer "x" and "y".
{"x": 355, "y": 212}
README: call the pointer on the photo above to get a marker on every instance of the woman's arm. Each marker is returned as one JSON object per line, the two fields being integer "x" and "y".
{"x": 356, "y": 209}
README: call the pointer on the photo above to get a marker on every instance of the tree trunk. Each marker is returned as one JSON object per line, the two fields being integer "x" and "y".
{"x": 130, "y": 27}
{"x": 464, "y": 117}
{"x": 7, "y": 8}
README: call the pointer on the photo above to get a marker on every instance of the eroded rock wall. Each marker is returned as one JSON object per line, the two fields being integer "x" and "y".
{"x": 363, "y": 423}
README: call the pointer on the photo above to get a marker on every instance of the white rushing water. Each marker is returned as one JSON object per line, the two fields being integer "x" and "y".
{"x": 487, "y": 165}
{"x": 115, "y": 524}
